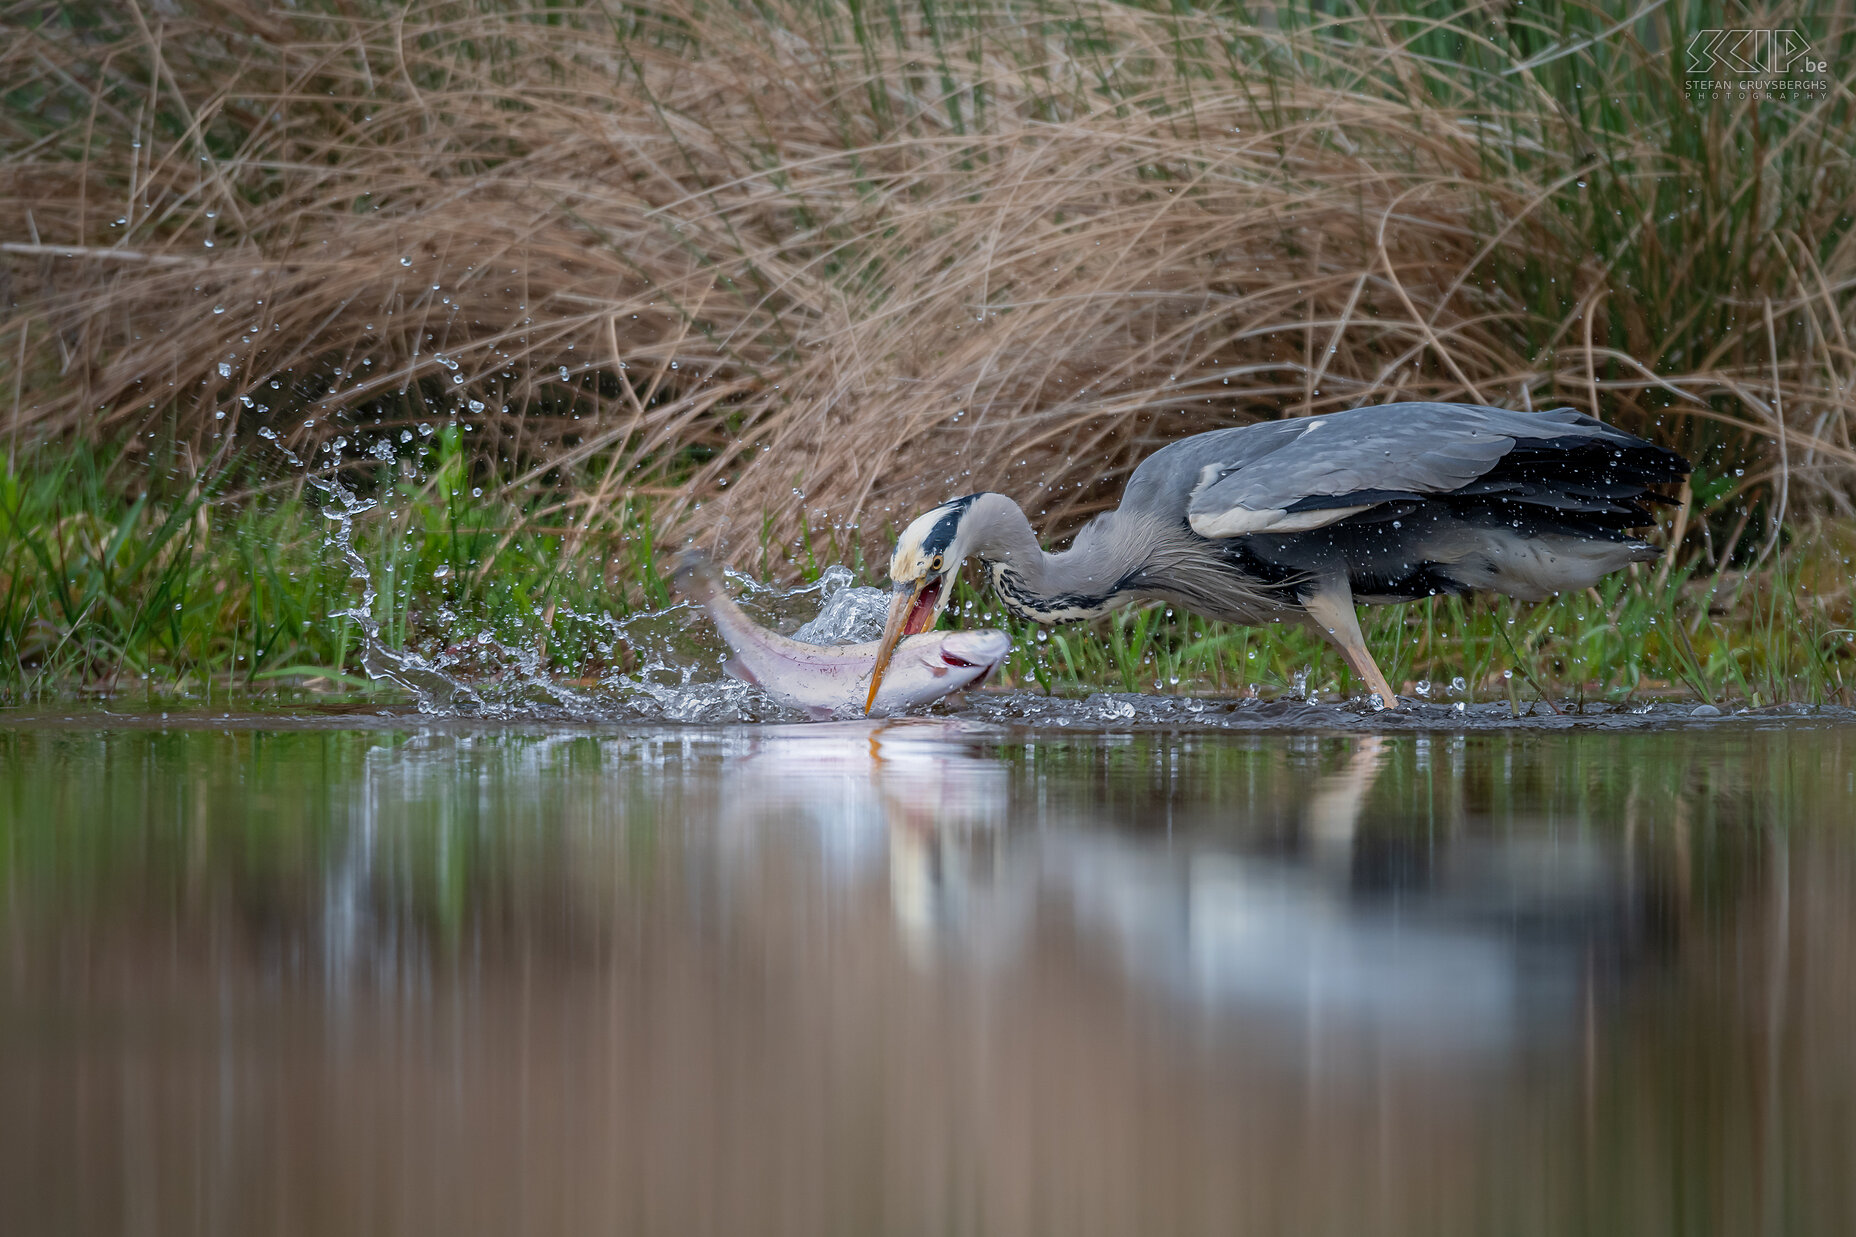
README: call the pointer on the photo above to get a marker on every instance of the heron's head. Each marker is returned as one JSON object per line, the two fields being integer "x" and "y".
{"x": 921, "y": 572}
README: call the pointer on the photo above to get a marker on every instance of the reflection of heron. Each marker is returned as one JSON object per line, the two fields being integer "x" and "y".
{"x": 1495, "y": 937}
{"x": 1298, "y": 518}
{"x": 1333, "y": 811}
{"x": 1432, "y": 944}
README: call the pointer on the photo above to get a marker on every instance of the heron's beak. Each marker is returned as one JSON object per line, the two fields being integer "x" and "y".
{"x": 913, "y": 609}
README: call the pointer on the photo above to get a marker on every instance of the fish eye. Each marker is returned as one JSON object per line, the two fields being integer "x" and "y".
{"x": 935, "y": 563}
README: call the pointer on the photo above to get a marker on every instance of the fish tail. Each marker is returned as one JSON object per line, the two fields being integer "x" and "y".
{"x": 695, "y": 575}
{"x": 694, "y": 572}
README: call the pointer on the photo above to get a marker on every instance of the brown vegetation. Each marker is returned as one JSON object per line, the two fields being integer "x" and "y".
{"x": 803, "y": 266}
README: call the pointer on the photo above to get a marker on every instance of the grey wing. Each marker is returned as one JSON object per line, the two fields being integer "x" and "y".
{"x": 1344, "y": 463}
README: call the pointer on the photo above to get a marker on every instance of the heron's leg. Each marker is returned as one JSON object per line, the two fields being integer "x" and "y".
{"x": 1330, "y": 605}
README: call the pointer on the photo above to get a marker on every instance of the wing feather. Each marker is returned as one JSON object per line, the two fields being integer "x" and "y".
{"x": 1341, "y": 465}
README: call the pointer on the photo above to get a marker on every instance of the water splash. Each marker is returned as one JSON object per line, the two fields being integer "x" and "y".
{"x": 436, "y": 691}
{"x": 675, "y": 672}
{"x": 849, "y": 615}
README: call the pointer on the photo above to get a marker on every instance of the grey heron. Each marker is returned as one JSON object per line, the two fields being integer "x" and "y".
{"x": 1299, "y": 519}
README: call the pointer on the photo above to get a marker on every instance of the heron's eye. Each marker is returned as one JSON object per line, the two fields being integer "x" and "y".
{"x": 935, "y": 563}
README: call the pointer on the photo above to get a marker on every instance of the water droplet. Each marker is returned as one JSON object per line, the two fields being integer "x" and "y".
{"x": 405, "y": 261}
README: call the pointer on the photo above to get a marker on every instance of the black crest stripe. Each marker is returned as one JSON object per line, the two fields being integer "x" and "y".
{"x": 941, "y": 536}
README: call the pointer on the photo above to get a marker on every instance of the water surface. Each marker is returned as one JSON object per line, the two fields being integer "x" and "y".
{"x": 941, "y": 976}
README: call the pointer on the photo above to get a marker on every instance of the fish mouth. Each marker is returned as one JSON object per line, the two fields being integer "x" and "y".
{"x": 984, "y": 650}
{"x": 986, "y": 667}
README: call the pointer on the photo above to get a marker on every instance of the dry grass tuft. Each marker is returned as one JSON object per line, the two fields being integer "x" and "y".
{"x": 809, "y": 266}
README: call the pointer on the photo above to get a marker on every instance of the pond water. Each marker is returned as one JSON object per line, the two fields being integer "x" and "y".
{"x": 388, "y": 974}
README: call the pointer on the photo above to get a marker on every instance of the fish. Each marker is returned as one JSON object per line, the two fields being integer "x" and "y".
{"x": 832, "y": 680}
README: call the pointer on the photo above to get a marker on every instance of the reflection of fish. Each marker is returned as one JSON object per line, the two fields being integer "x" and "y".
{"x": 923, "y": 797}
{"x": 830, "y": 681}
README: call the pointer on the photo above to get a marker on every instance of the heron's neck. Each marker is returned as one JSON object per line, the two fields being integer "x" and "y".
{"x": 1079, "y": 583}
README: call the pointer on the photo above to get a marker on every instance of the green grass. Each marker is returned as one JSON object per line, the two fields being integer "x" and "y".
{"x": 1636, "y": 638}
{"x": 187, "y": 589}
{"x": 171, "y": 592}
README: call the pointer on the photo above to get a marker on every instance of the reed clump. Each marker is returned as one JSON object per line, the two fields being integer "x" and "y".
{"x": 808, "y": 266}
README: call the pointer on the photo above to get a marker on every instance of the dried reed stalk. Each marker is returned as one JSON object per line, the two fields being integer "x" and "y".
{"x": 814, "y": 274}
